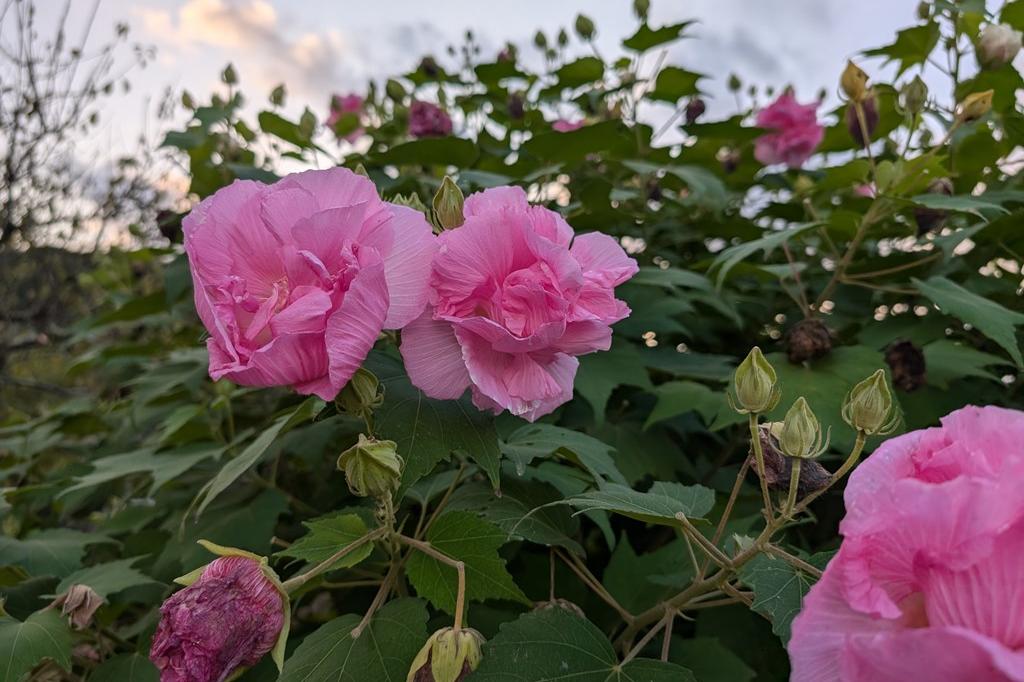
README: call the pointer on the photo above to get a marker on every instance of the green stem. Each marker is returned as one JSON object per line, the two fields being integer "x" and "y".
{"x": 755, "y": 442}
{"x": 794, "y": 482}
{"x": 851, "y": 460}
{"x": 293, "y": 584}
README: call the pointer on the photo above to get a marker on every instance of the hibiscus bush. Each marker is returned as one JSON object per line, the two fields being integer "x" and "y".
{"x": 479, "y": 375}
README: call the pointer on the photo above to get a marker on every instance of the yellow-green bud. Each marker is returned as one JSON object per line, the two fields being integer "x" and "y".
{"x": 412, "y": 201}
{"x": 584, "y": 27}
{"x": 974, "y": 106}
{"x": 448, "y": 205}
{"x": 394, "y": 90}
{"x": 448, "y": 656}
{"x": 913, "y": 96}
{"x": 869, "y": 408}
{"x": 372, "y": 467}
{"x": 800, "y": 435}
{"x": 641, "y": 8}
{"x": 854, "y": 82}
{"x": 362, "y": 394}
{"x": 754, "y": 383}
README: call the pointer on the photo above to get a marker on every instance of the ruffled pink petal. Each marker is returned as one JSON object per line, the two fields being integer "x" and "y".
{"x": 602, "y": 259}
{"x": 354, "y": 327}
{"x": 473, "y": 260}
{"x": 282, "y": 207}
{"x": 325, "y": 232}
{"x": 585, "y": 336}
{"x": 504, "y": 341}
{"x": 433, "y": 358}
{"x": 285, "y": 361}
{"x": 495, "y": 199}
{"x": 407, "y": 265}
{"x": 305, "y": 315}
{"x": 335, "y": 188}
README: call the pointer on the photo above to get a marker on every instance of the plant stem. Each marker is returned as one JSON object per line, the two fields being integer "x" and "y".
{"x": 459, "y": 566}
{"x": 584, "y": 574}
{"x": 794, "y": 561}
{"x": 727, "y": 512}
{"x": 794, "y": 483}
{"x": 378, "y": 599}
{"x": 755, "y": 442}
{"x": 851, "y": 459}
{"x": 293, "y": 584}
{"x": 716, "y": 555}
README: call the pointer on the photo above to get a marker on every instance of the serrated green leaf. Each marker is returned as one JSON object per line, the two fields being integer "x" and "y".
{"x": 912, "y": 46}
{"x": 646, "y": 37}
{"x": 384, "y": 651}
{"x": 162, "y": 466}
{"x": 946, "y": 361}
{"x": 679, "y": 397}
{"x": 126, "y": 668}
{"x": 730, "y": 257}
{"x": 600, "y": 373}
{"x": 107, "y": 579}
{"x": 659, "y": 505}
{"x": 468, "y": 538}
{"x": 543, "y": 440}
{"x": 555, "y": 645}
{"x": 327, "y": 535}
{"x": 779, "y": 589}
{"x": 580, "y": 72}
{"x": 674, "y": 83}
{"x": 57, "y": 552}
{"x": 44, "y": 635}
{"x": 990, "y": 318}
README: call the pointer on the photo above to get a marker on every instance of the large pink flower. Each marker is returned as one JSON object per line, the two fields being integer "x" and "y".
{"x": 795, "y": 132}
{"x": 929, "y": 581}
{"x": 294, "y": 281}
{"x": 346, "y": 104}
{"x": 514, "y": 299}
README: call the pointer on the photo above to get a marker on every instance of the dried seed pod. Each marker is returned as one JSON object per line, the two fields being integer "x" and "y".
{"x": 808, "y": 340}
{"x": 906, "y": 361}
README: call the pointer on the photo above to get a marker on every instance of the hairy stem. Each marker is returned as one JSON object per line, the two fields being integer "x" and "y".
{"x": 755, "y": 442}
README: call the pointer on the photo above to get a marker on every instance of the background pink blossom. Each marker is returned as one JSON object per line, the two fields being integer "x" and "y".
{"x": 929, "y": 581}
{"x": 514, "y": 299}
{"x": 795, "y": 132}
{"x": 294, "y": 281}
{"x": 346, "y": 104}
{"x": 426, "y": 119}
{"x": 564, "y": 125}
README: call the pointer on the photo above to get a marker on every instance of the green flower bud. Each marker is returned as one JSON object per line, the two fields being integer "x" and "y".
{"x": 854, "y": 82}
{"x": 585, "y": 27}
{"x": 641, "y": 8}
{"x": 974, "y": 106}
{"x": 869, "y": 407}
{"x": 754, "y": 383}
{"x": 448, "y": 205}
{"x": 913, "y": 96}
{"x": 412, "y": 201}
{"x": 800, "y": 435}
{"x": 734, "y": 83}
{"x": 361, "y": 395}
{"x": 229, "y": 75}
{"x": 372, "y": 467}
{"x": 394, "y": 90}
{"x": 277, "y": 95}
{"x": 448, "y": 656}
{"x": 540, "y": 40}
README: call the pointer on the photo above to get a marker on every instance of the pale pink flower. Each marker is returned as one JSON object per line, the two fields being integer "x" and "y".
{"x": 346, "y": 104}
{"x": 564, "y": 125}
{"x": 514, "y": 299}
{"x": 294, "y": 281}
{"x": 929, "y": 581}
{"x": 866, "y": 190}
{"x": 228, "y": 619}
{"x": 795, "y": 132}
{"x": 428, "y": 120}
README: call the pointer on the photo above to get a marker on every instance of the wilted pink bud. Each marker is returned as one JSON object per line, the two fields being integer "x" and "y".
{"x": 79, "y": 604}
{"x": 229, "y": 618}
{"x": 345, "y": 104}
{"x": 564, "y": 125}
{"x": 428, "y": 120}
{"x": 695, "y": 108}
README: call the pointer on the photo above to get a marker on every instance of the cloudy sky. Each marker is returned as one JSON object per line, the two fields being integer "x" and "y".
{"x": 322, "y": 46}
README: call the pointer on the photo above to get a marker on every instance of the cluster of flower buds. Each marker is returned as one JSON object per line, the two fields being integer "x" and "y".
{"x": 754, "y": 385}
{"x": 448, "y": 656}
{"x": 448, "y": 203}
{"x": 372, "y": 467}
{"x": 868, "y": 407}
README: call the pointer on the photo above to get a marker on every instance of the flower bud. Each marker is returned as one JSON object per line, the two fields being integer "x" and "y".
{"x": 448, "y": 204}
{"x": 641, "y": 8}
{"x": 974, "y": 106}
{"x": 854, "y": 82}
{"x": 516, "y": 106}
{"x": 808, "y": 340}
{"x": 394, "y": 90}
{"x": 277, "y": 95}
{"x": 372, "y": 467}
{"x": 230, "y": 614}
{"x": 754, "y": 383}
{"x": 869, "y": 108}
{"x": 695, "y": 108}
{"x": 412, "y": 201}
{"x": 79, "y": 604}
{"x": 800, "y": 435}
{"x": 778, "y": 468}
{"x": 868, "y": 407}
{"x": 907, "y": 364}
{"x": 734, "y": 83}
{"x": 913, "y": 96}
{"x": 448, "y": 656}
{"x": 428, "y": 65}
{"x": 229, "y": 75}
{"x": 540, "y": 40}
{"x": 924, "y": 10}
{"x": 929, "y": 219}
{"x": 361, "y": 395}
{"x": 998, "y": 44}
{"x": 584, "y": 27}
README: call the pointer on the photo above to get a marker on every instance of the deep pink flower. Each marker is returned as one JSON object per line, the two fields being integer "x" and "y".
{"x": 564, "y": 125}
{"x": 795, "y": 134}
{"x": 428, "y": 120}
{"x": 294, "y": 281}
{"x": 514, "y": 299}
{"x": 346, "y": 104}
{"x": 228, "y": 619}
{"x": 929, "y": 581}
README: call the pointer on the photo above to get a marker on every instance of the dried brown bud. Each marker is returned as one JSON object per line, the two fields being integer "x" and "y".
{"x": 563, "y": 604}
{"x": 808, "y": 340}
{"x": 906, "y": 361}
{"x": 694, "y": 110}
{"x": 79, "y": 604}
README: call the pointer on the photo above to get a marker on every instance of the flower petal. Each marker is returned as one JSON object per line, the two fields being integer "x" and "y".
{"x": 433, "y": 358}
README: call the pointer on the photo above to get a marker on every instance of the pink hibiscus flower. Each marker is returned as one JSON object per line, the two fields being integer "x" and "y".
{"x": 929, "y": 581}
{"x": 795, "y": 132}
{"x": 514, "y": 298}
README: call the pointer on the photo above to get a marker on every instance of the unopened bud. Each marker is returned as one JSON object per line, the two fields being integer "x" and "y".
{"x": 584, "y": 27}
{"x": 372, "y": 467}
{"x": 277, "y": 95}
{"x": 540, "y": 40}
{"x": 754, "y": 383}
{"x": 800, "y": 435}
{"x": 734, "y": 83}
{"x": 448, "y": 656}
{"x": 924, "y": 10}
{"x": 914, "y": 96}
{"x": 695, "y": 108}
{"x": 516, "y": 106}
{"x": 854, "y": 82}
{"x": 998, "y": 44}
{"x": 448, "y": 204}
{"x": 974, "y": 106}
{"x": 907, "y": 364}
{"x": 562, "y": 38}
{"x": 429, "y": 67}
{"x": 868, "y": 406}
{"x": 394, "y": 90}
{"x": 187, "y": 101}
{"x": 778, "y": 468}
{"x": 641, "y": 8}
{"x": 229, "y": 75}
{"x": 79, "y": 604}
{"x": 361, "y": 395}
{"x": 857, "y": 128}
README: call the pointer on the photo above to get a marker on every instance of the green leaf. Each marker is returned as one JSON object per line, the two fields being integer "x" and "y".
{"x": 946, "y": 361}
{"x": 639, "y": 581}
{"x": 543, "y": 440}
{"x": 555, "y": 645}
{"x": 126, "y": 668}
{"x": 428, "y": 431}
{"x": 23, "y": 646}
{"x": 600, "y": 373}
{"x": 327, "y": 535}
{"x": 278, "y": 126}
{"x": 163, "y": 466}
{"x": 555, "y": 147}
{"x": 990, "y": 318}
{"x": 730, "y": 257}
{"x": 231, "y": 471}
{"x": 441, "y": 151}
{"x": 659, "y": 505}
{"x": 107, "y": 579}
{"x": 470, "y": 539}
{"x": 679, "y": 397}
{"x": 646, "y": 37}
{"x": 674, "y": 83}
{"x": 779, "y": 589}
{"x": 964, "y": 203}
{"x": 384, "y": 651}
{"x": 709, "y": 660}
{"x": 580, "y": 72}
{"x": 57, "y": 552}
{"x": 912, "y": 46}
